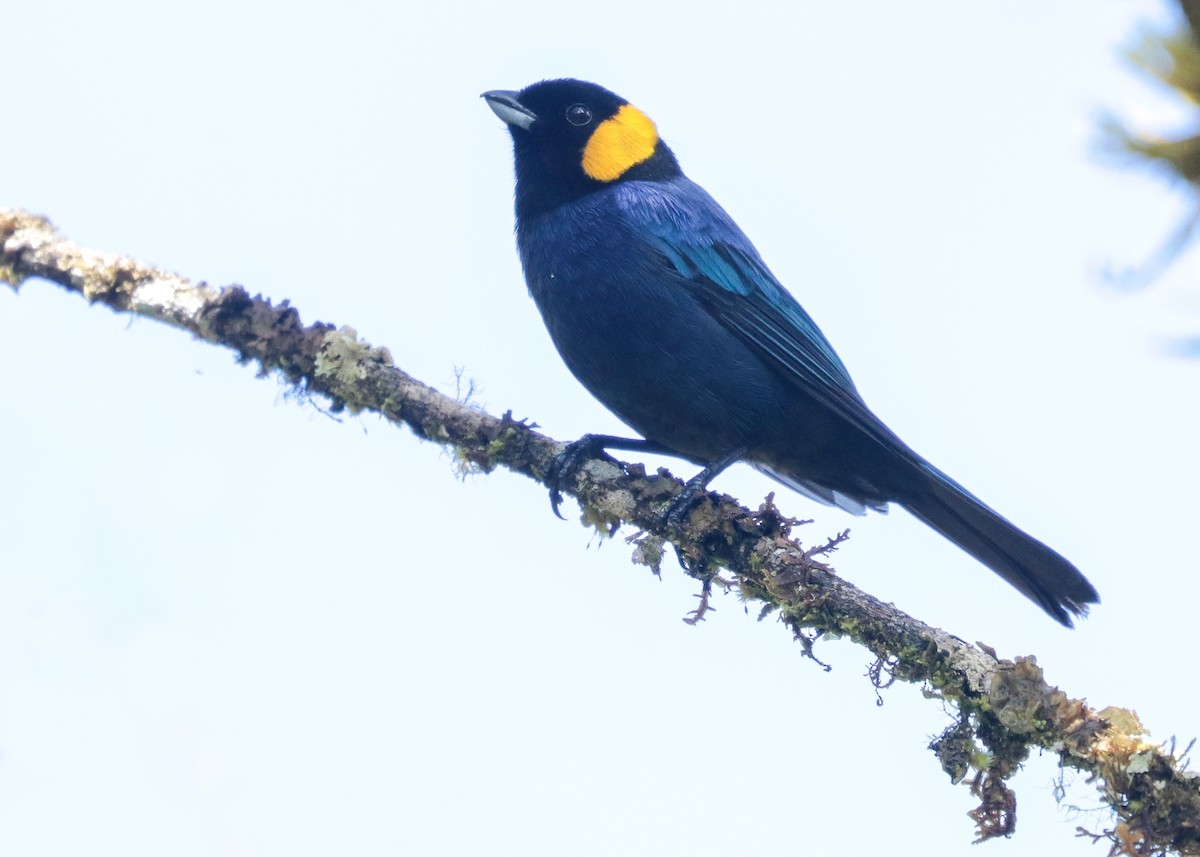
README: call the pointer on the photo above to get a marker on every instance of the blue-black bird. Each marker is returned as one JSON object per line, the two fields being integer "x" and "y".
{"x": 662, "y": 308}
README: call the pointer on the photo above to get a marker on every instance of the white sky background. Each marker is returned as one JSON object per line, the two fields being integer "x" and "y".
{"x": 232, "y": 626}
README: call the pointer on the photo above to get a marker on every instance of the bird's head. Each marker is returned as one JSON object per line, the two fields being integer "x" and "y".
{"x": 571, "y": 138}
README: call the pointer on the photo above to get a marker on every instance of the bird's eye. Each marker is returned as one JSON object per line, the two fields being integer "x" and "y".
{"x": 579, "y": 114}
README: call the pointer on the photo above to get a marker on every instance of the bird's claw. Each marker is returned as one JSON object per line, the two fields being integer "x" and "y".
{"x": 556, "y": 499}
{"x": 676, "y": 512}
{"x": 675, "y": 515}
{"x": 573, "y": 454}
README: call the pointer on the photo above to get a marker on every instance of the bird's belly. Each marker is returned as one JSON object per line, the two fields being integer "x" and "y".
{"x": 661, "y": 363}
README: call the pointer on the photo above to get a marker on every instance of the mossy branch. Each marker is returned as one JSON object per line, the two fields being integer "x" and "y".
{"x": 1004, "y": 708}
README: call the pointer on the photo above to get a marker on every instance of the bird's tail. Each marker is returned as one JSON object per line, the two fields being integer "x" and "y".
{"x": 1034, "y": 569}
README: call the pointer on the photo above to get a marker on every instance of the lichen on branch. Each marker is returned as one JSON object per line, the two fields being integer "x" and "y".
{"x": 1003, "y": 709}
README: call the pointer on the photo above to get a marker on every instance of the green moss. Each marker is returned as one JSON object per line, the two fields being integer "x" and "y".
{"x": 9, "y": 275}
{"x": 464, "y": 463}
{"x": 602, "y": 521}
{"x": 648, "y": 550}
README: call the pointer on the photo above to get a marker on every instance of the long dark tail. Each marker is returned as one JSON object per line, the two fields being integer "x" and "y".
{"x": 1034, "y": 569}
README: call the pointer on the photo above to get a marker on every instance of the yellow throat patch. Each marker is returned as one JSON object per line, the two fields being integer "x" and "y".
{"x": 619, "y": 143}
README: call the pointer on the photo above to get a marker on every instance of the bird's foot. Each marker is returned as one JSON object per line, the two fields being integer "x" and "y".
{"x": 675, "y": 514}
{"x": 563, "y": 464}
{"x": 590, "y": 446}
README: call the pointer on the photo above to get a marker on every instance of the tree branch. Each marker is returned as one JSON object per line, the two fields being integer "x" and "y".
{"x": 1003, "y": 708}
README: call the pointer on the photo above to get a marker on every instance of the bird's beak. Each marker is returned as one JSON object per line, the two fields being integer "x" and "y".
{"x": 504, "y": 104}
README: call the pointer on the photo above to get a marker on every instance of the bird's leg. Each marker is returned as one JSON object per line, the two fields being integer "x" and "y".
{"x": 673, "y": 516}
{"x": 590, "y": 446}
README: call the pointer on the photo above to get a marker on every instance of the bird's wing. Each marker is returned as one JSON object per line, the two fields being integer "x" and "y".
{"x": 741, "y": 293}
{"x": 745, "y": 296}
{"x": 704, "y": 249}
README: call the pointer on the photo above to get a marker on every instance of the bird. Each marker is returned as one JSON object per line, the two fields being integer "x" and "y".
{"x": 664, "y": 310}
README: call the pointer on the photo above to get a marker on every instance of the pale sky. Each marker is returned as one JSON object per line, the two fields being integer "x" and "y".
{"x": 230, "y": 625}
